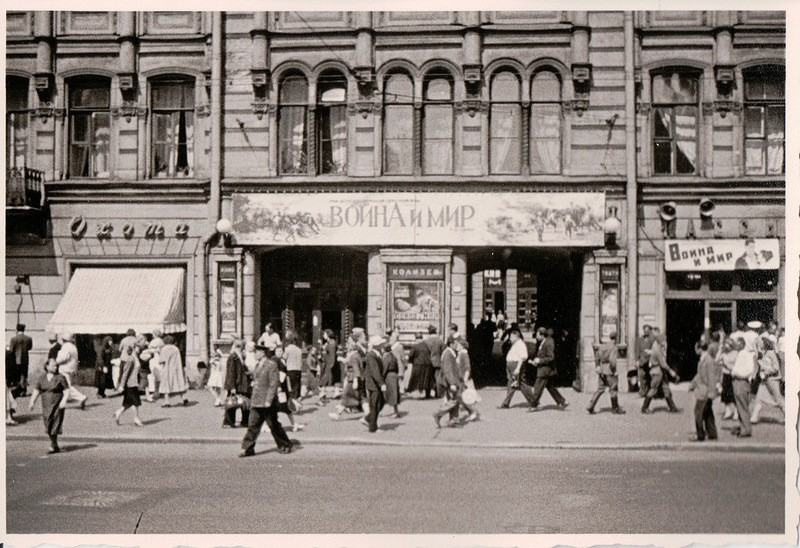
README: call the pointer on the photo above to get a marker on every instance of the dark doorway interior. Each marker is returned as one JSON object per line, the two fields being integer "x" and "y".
{"x": 558, "y": 275}
{"x": 684, "y": 326}
{"x": 762, "y": 310}
{"x": 326, "y": 283}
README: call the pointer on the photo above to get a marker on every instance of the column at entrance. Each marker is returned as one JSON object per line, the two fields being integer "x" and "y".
{"x": 588, "y": 324}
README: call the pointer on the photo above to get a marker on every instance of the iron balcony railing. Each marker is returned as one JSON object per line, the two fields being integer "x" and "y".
{"x": 24, "y": 187}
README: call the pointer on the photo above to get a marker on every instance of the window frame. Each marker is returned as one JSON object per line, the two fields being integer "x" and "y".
{"x": 673, "y": 139}
{"x": 761, "y": 72}
{"x": 407, "y": 104}
{"x": 91, "y": 113}
{"x": 12, "y": 115}
{"x": 553, "y": 102}
{"x": 426, "y": 105}
{"x": 157, "y": 111}
{"x": 516, "y": 141}
{"x": 325, "y": 109}
{"x": 283, "y": 107}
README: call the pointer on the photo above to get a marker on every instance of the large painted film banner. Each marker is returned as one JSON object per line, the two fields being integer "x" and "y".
{"x": 420, "y": 218}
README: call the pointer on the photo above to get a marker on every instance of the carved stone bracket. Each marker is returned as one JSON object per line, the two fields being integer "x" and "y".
{"x": 364, "y": 108}
{"x": 48, "y": 110}
{"x": 128, "y": 111}
{"x": 203, "y": 111}
{"x": 724, "y": 106}
{"x": 577, "y": 105}
{"x": 260, "y": 108}
{"x": 472, "y": 107}
{"x": 643, "y": 108}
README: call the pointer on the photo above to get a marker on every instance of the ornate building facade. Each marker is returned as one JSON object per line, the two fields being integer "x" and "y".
{"x": 207, "y": 173}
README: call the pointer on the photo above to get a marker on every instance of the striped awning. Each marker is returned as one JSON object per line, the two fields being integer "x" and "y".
{"x": 113, "y": 300}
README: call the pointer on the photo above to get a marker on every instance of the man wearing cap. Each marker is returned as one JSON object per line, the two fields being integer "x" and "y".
{"x": 67, "y": 360}
{"x": 545, "y": 372}
{"x": 375, "y": 381}
{"x": 752, "y": 342}
{"x": 643, "y": 345}
{"x": 264, "y": 405}
{"x": 515, "y": 360}
{"x": 21, "y": 344}
{"x": 658, "y": 365}
{"x": 606, "y": 366}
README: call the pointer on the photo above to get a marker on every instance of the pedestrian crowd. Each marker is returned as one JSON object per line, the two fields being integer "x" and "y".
{"x": 258, "y": 380}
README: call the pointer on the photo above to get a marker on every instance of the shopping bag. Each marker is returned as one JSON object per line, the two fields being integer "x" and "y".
{"x": 232, "y": 402}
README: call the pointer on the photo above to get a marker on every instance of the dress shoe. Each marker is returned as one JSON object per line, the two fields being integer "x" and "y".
{"x": 741, "y": 435}
{"x": 562, "y": 405}
{"x": 533, "y": 409}
{"x": 590, "y": 411}
{"x": 83, "y": 404}
{"x": 137, "y": 422}
{"x": 247, "y": 453}
{"x": 503, "y": 406}
{"x": 618, "y": 411}
{"x": 53, "y": 450}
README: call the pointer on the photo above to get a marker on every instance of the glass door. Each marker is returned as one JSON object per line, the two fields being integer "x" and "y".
{"x": 720, "y": 314}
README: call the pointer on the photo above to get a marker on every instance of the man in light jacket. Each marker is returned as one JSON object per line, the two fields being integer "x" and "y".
{"x": 264, "y": 405}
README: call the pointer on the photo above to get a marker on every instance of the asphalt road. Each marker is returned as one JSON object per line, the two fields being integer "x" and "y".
{"x": 204, "y": 488}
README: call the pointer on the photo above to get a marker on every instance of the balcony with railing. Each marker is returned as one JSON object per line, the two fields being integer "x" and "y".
{"x": 24, "y": 188}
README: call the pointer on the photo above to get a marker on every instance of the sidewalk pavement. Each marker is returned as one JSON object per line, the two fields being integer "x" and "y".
{"x": 515, "y": 428}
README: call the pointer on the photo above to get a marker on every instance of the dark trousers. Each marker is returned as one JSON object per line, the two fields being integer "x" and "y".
{"x": 741, "y": 393}
{"x": 604, "y": 382}
{"x": 259, "y": 416}
{"x": 657, "y": 380}
{"x": 376, "y": 403}
{"x": 452, "y": 405}
{"x": 294, "y": 384}
{"x": 516, "y": 383}
{"x": 230, "y": 416}
{"x": 539, "y": 386}
{"x": 643, "y": 374}
{"x": 704, "y": 419}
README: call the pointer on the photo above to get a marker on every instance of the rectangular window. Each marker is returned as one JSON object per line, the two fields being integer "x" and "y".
{"x": 90, "y": 130}
{"x": 675, "y": 123}
{"x": 505, "y": 138}
{"x": 764, "y": 139}
{"x": 437, "y": 135}
{"x": 293, "y": 140}
{"x": 333, "y": 139}
{"x": 398, "y": 144}
{"x": 16, "y": 139}
{"x": 546, "y": 138}
{"x": 173, "y": 129}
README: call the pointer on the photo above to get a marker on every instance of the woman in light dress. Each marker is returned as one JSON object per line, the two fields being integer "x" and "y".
{"x": 173, "y": 380}
{"x": 216, "y": 379}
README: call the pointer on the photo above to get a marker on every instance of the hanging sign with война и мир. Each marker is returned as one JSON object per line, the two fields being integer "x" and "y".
{"x": 573, "y": 219}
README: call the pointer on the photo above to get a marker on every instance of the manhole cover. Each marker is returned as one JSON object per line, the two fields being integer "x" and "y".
{"x": 92, "y": 499}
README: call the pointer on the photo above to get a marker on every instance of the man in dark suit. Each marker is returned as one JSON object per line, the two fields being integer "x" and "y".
{"x": 237, "y": 383}
{"x": 421, "y": 367}
{"x": 266, "y": 388}
{"x": 545, "y": 371}
{"x": 436, "y": 346}
{"x": 20, "y": 345}
{"x": 374, "y": 381}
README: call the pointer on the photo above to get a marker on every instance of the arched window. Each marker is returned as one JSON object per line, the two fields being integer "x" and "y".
{"x": 332, "y": 123}
{"x": 505, "y": 117}
{"x": 437, "y": 124}
{"x": 764, "y": 111}
{"x": 545, "y": 130}
{"x": 17, "y": 122}
{"x": 89, "y": 126}
{"x": 172, "y": 107}
{"x": 398, "y": 124}
{"x": 675, "y": 122}
{"x": 293, "y": 134}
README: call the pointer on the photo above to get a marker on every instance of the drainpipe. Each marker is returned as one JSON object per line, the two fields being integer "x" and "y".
{"x": 215, "y": 175}
{"x": 631, "y": 193}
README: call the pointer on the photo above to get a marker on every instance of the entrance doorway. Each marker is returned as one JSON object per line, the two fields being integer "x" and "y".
{"x": 684, "y": 325}
{"x": 310, "y": 289}
{"x": 532, "y": 288}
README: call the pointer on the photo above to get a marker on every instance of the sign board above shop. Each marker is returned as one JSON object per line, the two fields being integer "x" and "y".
{"x": 742, "y": 254}
{"x": 530, "y": 219}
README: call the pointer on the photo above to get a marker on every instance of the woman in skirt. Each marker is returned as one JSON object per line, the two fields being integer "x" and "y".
{"x": 391, "y": 369}
{"x": 52, "y": 387}
{"x": 285, "y": 403}
{"x": 129, "y": 381}
{"x": 727, "y": 358}
{"x": 173, "y": 380}
{"x": 216, "y": 379}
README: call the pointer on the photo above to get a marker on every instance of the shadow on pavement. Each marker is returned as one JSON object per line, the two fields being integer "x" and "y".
{"x": 80, "y": 447}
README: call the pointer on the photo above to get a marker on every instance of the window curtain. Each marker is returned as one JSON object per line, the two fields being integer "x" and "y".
{"x": 398, "y": 146}
{"x": 505, "y": 142}
{"x": 438, "y": 138}
{"x": 686, "y": 139}
{"x": 293, "y": 139}
{"x": 545, "y": 138}
{"x": 775, "y": 140}
{"x": 334, "y": 139}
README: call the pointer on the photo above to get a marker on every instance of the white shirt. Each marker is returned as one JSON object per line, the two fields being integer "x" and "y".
{"x": 271, "y": 341}
{"x": 745, "y": 366}
{"x": 517, "y": 353}
{"x": 750, "y": 341}
{"x": 67, "y": 358}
